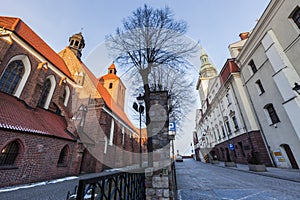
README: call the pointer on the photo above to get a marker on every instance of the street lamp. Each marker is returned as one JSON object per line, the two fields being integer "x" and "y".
{"x": 297, "y": 88}
{"x": 140, "y": 109}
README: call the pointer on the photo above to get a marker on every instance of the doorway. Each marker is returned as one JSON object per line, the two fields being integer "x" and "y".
{"x": 290, "y": 155}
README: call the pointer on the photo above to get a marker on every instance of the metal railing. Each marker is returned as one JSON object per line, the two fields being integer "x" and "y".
{"x": 112, "y": 185}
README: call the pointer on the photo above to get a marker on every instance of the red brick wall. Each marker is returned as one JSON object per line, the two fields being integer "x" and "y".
{"x": 33, "y": 87}
{"x": 37, "y": 160}
{"x": 239, "y": 156}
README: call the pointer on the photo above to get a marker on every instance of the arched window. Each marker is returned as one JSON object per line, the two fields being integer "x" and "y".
{"x": 9, "y": 154}
{"x": 271, "y": 114}
{"x": 110, "y": 85}
{"x": 12, "y": 77}
{"x": 66, "y": 95}
{"x": 63, "y": 156}
{"x": 45, "y": 93}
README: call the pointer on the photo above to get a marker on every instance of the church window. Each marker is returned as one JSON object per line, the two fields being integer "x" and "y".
{"x": 45, "y": 93}
{"x": 66, "y": 95}
{"x": 110, "y": 85}
{"x": 63, "y": 156}
{"x": 9, "y": 154}
{"x": 296, "y": 16}
{"x": 76, "y": 43}
{"x": 72, "y": 42}
{"x": 11, "y": 77}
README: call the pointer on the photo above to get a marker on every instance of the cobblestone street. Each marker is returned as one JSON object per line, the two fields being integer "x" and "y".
{"x": 197, "y": 181}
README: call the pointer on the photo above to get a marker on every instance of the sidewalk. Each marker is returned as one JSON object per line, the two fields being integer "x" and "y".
{"x": 281, "y": 173}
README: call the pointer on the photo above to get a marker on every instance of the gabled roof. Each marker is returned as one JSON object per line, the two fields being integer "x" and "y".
{"x": 17, "y": 26}
{"x": 109, "y": 102}
{"x": 17, "y": 116}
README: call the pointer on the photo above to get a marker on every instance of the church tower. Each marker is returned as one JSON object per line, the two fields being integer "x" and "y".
{"x": 114, "y": 85}
{"x": 76, "y": 44}
{"x": 207, "y": 72}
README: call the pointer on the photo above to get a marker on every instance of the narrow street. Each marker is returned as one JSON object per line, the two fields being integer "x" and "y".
{"x": 197, "y": 181}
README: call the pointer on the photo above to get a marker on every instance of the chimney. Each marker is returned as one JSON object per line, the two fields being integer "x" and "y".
{"x": 244, "y": 35}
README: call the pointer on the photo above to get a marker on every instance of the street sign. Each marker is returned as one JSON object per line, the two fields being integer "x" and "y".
{"x": 231, "y": 146}
{"x": 172, "y": 126}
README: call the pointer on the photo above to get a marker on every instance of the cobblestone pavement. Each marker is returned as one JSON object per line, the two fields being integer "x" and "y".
{"x": 202, "y": 181}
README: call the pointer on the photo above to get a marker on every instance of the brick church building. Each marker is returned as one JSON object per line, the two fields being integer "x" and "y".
{"x": 56, "y": 118}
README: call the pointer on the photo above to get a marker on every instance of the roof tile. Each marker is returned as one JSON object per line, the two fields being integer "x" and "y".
{"x": 16, "y": 115}
{"x": 27, "y": 34}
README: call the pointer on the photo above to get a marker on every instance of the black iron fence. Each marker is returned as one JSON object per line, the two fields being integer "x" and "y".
{"x": 111, "y": 185}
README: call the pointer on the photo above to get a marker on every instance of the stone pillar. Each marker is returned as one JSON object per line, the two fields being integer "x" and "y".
{"x": 158, "y": 184}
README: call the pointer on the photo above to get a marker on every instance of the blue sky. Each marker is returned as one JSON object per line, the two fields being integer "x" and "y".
{"x": 215, "y": 23}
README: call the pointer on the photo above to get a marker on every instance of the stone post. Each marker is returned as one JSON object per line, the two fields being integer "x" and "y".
{"x": 158, "y": 184}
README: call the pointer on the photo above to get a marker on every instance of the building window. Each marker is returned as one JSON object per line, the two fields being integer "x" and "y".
{"x": 236, "y": 126}
{"x": 9, "y": 154}
{"x": 296, "y": 16}
{"x": 228, "y": 99}
{"x": 218, "y": 132}
{"x": 252, "y": 67}
{"x": 12, "y": 76}
{"x": 214, "y": 134}
{"x": 110, "y": 85}
{"x": 45, "y": 93}
{"x": 272, "y": 113}
{"x": 223, "y": 132}
{"x": 228, "y": 127}
{"x": 63, "y": 156}
{"x": 259, "y": 87}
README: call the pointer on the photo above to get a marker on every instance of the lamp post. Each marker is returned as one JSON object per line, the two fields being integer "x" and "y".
{"x": 140, "y": 109}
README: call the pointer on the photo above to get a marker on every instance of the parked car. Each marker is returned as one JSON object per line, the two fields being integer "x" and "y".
{"x": 179, "y": 158}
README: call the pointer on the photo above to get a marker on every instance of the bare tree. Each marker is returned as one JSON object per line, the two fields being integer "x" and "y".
{"x": 148, "y": 39}
{"x": 180, "y": 87}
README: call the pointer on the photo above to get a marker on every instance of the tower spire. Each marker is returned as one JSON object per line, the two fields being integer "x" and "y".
{"x": 207, "y": 70}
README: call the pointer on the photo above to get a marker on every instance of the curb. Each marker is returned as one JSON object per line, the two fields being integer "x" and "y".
{"x": 258, "y": 173}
